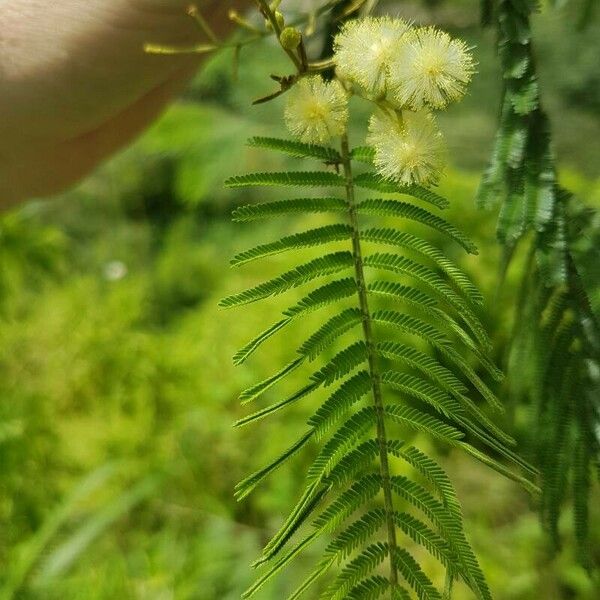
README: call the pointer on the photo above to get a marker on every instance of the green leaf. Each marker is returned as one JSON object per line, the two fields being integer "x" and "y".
{"x": 269, "y": 410}
{"x": 416, "y": 387}
{"x": 254, "y": 212}
{"x": 343, "y": 440}
{"x": 257, "y": 390}
{"x": 340, "y": 402}
{"x": 330, "y": 331}
{"x": 364, "y": 564}
{"x": 280, "y": 564}
{"x": 314, "y": 269}
{"x": 370, "y": 588}
{"x": 404, "y": 239}
{"x": 306, "y": 239}
{"x": 405, "y": 210}
{"x": 372, "y": 181}
{"x": 415, "y": 419}
{"x": 342, "y": 363}
{"x": 364, "y": 154}
{"x": 427, "y": 365}
{"x": 348, "y": 502}
{"x": 356, "y": 535}
{"x": 296, "y": 149}
{"x": 246, "y": 486}
{"x": 287, "y": 179}
{"x": 414, "y": 575}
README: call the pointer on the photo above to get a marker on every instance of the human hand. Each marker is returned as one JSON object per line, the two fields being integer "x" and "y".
{"x": 76, "y": 84}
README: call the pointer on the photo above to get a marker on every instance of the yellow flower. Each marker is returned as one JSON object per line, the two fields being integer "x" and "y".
{"x": 409, "y": 148}
{"x": 364, "y": 48}
{"x": 430, "y": 69}
{"x": 317, "y": 110}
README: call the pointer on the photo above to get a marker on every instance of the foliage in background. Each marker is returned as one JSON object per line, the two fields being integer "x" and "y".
{"x": 556, "y": 323}
{"x": 100, "y": 363}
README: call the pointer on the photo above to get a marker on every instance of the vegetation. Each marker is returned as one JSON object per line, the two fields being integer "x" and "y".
{"x": 117, "y": 452}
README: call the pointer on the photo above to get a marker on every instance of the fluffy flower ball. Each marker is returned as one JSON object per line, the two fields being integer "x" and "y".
{"x": 430, "y": 69}
{"x": 316, "y": 110}
{"x": 409, "y": 151}
{"x": 364, "y": 49}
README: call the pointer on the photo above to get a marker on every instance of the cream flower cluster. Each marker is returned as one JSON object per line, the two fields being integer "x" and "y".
{"x": 408, "y": 72}
{"x": 317, "y": 110}
{"x": 408, "y": 149}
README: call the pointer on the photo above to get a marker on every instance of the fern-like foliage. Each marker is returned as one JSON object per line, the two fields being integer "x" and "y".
{"x": 522, "y": 167}
{"x": 556, "y": 329}
{"x": 400, "y": 352}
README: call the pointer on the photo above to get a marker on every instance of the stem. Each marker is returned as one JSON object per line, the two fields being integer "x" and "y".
{"x": 264, "y": 7}
{"x": 373, "y": 367}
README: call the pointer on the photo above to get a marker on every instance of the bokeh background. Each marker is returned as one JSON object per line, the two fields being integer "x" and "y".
{"x": 117, "y": 391}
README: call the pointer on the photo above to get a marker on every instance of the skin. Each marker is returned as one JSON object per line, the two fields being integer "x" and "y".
{"x": 77, "y": 85}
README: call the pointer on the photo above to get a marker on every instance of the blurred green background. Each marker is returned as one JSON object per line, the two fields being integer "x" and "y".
{"x": 117, "y": 453}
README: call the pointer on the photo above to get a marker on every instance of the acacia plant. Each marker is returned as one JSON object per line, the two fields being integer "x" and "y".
{"x": 405, "y": 349}
{"x": 555, "y": 325}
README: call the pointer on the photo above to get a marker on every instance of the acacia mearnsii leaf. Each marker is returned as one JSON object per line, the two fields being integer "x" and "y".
{"x": 356, "y": 534}
{"x": 428, "y": 306}
{"x": 448, "y": 382}
{"x": 432, "y": 472}
{"x": 370, "y": 588}
{"x": 246, "y": 486}
{"x": 400, "y": 593}
{"x": 372, "y": 181}
{"x": 265, "y": 210}
{"x": 425, "y": 364}
{"x": 354, "y": 463}
{"x": 319, "y": 571}
{"x": 269, "y": 410}
{"x": 413, "y": 326}
{"x": 340, "y": 402}
{"x": 405, "y": 210}
{"x": 405, "y": 239}
{"x": 248, "y": 349}
{"x": 433, "y": 336}
{"x": 305, "y": 239}
{"x": 287, "y": 179}
{"x": 330, "y": 331}
{"x": 422, "y": 390}
{"x": 280, "y": 564}
{"x": 302, "y": 511}
{"x": 397, "y": 263}
{"x": 348, "y": 502}
{"x": 327, "y": 294}
{"x": 296, "y": 149}
{"x": 364, "y": 154}
{"x": 361, "y": 566}
{"x": 313, "y": 269}
{"x": 415, "y": 419}
{"x": 254, "y": 392}
{"x": 344, "y": 439}
{"x": 414, "y": 575}
{"x": 403, "y": 292}
{"x": 445, "y": 518}
{"x": 341, "y": 364}
{"x": 423, "y": 535}
{"x": 500, "y": 468}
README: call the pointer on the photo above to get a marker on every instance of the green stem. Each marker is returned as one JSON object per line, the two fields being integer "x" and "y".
{"x": 266, "y": 10}
{"x": 372, "y": 358}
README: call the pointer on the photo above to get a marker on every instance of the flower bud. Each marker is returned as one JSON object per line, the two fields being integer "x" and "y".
{"x": 290, "y": 38}
{"x": 280, "y": 21}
